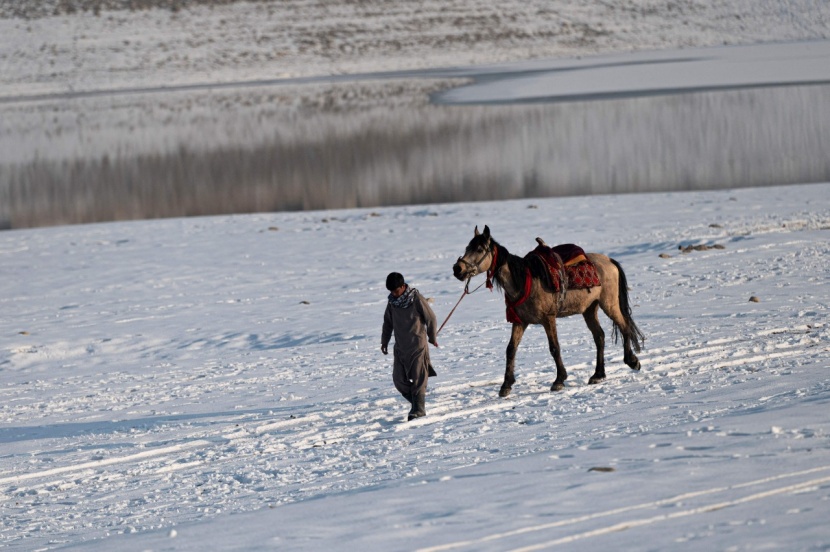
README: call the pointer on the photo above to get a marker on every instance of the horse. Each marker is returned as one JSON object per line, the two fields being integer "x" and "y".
{"x": 532, "y": 297}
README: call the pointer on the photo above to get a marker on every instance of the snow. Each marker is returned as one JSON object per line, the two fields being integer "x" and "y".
{"x": 216, "y": 383}
{"x": 221, "y": 378}
{"x": 650, "y": 74}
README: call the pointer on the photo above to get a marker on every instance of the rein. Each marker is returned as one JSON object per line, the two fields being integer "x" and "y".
{"x": 489, "y": 282}
{"x": 464, "y": 293}
{"x": 491, "y": 272}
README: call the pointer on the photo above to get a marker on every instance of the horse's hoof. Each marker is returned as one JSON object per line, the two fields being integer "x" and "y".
{"x": 557, "y": 386}
{"x": 595, "y": 380}
{"x": 504, "y": 391}
{"x": 636, "y": 365}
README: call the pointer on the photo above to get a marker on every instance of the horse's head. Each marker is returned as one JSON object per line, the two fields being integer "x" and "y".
{"x": 477, "y": 257}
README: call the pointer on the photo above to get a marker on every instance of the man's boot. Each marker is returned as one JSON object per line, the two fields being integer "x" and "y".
{"x": 418, "y": 404}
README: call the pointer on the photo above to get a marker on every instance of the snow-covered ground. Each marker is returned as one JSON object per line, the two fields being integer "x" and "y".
{"x": 217, "y": 383}
{"x": 300, "y": 38}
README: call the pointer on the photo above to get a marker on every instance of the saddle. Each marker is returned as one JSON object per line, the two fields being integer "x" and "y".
{"x": 578, "y": 269}
{"x": 566, "y": 262}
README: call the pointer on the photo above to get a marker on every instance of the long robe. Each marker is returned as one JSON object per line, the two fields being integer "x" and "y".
{"x": 414, "y": 327}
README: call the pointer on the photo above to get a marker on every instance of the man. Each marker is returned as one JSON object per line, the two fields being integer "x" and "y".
{"x": 409, "y": 315}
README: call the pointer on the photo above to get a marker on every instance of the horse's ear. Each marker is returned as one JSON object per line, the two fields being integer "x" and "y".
{"x": 486, "y": 231}
{"x": 477, "y": 232}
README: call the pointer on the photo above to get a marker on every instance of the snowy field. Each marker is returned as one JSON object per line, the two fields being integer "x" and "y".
{"x": 216, "y": 383}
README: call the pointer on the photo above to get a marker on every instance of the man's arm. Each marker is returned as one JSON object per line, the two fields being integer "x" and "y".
{"x": 429, "y": 319}
{"x": 386, "y": 334}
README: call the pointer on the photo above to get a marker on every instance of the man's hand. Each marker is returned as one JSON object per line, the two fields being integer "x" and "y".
{"x": 384, "y": 350}
{"x": 435, "y": 343}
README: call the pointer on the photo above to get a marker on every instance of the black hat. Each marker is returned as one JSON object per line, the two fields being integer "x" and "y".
{"x": 394, "y": 281}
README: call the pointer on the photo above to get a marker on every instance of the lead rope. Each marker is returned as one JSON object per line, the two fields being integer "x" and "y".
{"x": 464, "y": 293}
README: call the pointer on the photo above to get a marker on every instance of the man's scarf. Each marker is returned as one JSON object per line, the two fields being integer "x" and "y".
{"x": 405, "y": 299}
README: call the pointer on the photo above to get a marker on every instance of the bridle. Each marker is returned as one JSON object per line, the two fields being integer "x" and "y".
{"x": 474, "y": 270}
{"x": 467, "y": 291}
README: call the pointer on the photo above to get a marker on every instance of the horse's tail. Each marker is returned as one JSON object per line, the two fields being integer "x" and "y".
{"x": 631, "y": 331}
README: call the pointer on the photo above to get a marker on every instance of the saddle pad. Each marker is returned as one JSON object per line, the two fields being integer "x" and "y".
{"x": 582, "y": 275}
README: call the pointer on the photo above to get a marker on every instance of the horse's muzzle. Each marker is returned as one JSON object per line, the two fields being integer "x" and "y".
{"x": 461, "y": 269}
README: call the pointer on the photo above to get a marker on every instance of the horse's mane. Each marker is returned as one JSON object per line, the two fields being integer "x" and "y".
{"x": 518, "y": 265}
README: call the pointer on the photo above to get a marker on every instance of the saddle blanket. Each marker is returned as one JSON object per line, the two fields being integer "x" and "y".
{"x": 581, "y": 272}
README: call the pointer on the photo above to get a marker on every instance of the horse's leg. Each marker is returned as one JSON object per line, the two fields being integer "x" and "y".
{"x": 629, "y": 357}
{"x": 591, "y": 316}
{"x": 512, "y": 346}
{"x": 619, "y": 320}
{"x": 615, "y": 303}
{"x": 553, "y": 344}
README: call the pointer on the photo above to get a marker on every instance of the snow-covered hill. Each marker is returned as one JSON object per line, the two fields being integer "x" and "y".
{"x": 217, "y": 383}
{"x": 115, "y": 115}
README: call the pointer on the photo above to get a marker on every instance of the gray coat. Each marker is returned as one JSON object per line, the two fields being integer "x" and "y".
{"x": 414, "y": 327}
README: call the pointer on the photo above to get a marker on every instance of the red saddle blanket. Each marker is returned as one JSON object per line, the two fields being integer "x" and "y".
{"x": 581, "y": 272}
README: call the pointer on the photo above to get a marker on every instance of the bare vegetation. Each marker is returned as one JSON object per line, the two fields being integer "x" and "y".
{"x": 339, "y": 150}
{"x": 33, "y": 10}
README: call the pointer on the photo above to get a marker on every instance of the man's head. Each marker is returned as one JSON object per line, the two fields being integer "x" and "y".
{"x": 395, "y": 283}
